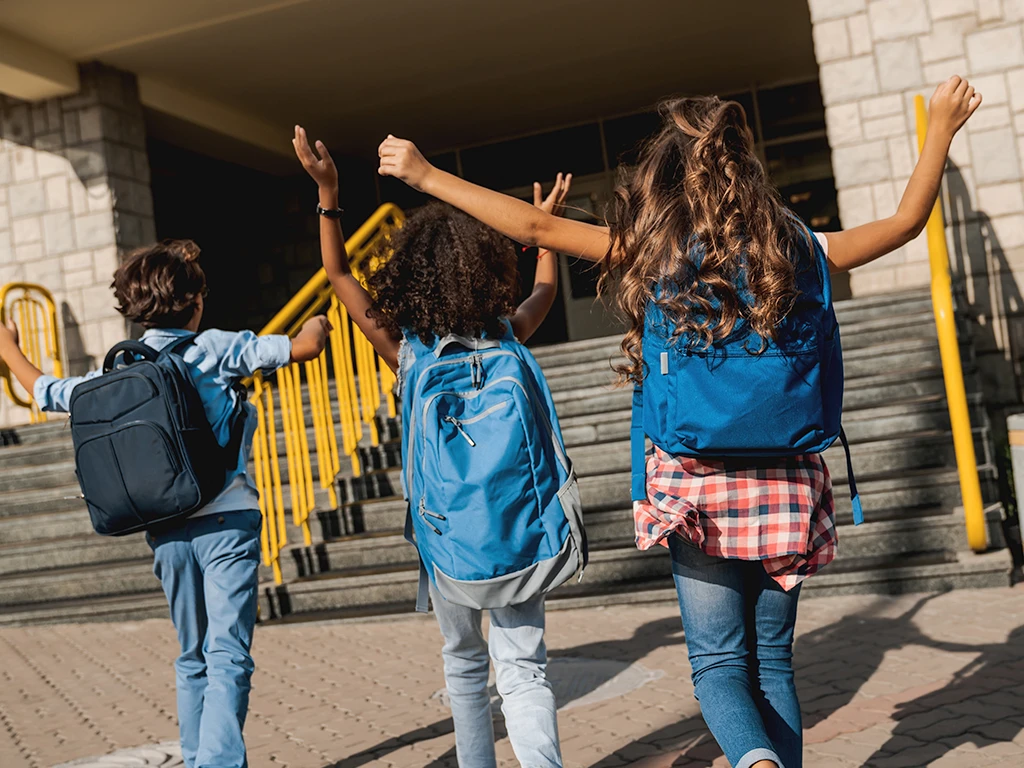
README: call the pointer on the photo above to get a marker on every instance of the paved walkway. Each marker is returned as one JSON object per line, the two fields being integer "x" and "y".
{"x": 919, "y": 680}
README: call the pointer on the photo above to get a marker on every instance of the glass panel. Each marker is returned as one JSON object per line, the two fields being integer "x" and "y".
{"x": 623, "y": 136}
{"x": 799, "y": 161}
{"x": 791, "y": 110}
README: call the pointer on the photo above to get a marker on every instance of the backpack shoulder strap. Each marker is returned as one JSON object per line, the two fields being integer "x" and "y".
{"x": 817, "y": 253}
{"x": 178, "y": 348}
{"x": 638, "y": 447}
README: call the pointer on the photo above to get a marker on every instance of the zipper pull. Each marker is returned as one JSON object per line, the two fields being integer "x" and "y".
{"x": 424, "y": 513}
{"x": 458, "y": 425}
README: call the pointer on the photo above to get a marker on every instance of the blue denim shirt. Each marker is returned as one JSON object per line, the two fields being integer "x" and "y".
{"x": 216, "y": 360}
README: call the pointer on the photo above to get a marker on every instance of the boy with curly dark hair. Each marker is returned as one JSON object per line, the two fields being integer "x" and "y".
{"x": 209, "y": 564}
{"x": 449, "y": 275}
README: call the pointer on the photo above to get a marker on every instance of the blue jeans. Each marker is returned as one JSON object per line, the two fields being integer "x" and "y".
{"x": 739, "y": 633}
{"x": 520, "y": 662}
{"x": 209, "y": 571}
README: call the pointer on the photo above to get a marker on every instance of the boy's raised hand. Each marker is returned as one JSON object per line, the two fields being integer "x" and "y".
{"x": 400, "y": 158}
{"x": 953, "y": 102}
{"x": 322, "y": 168}
{"x": 9, "y": 336}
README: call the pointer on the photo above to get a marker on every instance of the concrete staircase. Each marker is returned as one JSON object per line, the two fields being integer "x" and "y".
{"x": 53, "y": 568}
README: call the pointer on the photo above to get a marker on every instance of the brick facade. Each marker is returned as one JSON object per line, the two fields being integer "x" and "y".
{"x": 74, "y": 194}
{"x": 874, "y": 57}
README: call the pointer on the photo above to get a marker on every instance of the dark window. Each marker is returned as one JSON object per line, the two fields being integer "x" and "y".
{"x": 520, "y": 162}
{"x": 791, "y": 110}
{"x": 799, "y": 161}
{"x": 624, "y": 135}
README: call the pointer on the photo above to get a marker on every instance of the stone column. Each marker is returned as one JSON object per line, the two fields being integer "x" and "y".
{"x": 874, "y": 57}
{"x": 74, "y": 194}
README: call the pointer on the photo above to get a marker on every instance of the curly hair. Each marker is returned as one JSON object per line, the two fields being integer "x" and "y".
{"x": 696, "y": 218}
{"x": 158, "y": 286}
{"x": 443, "y": 272}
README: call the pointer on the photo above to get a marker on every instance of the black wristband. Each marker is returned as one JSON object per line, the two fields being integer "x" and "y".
{"x": 330, "y": 213}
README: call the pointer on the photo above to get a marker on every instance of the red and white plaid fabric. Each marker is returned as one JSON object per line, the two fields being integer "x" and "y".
{"x": 779, "y": 511}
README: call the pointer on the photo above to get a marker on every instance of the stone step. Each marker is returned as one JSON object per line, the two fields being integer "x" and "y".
{"x": 53, "y": 498}
{"x": 72, "y": 552}
{"x": 42, "y": 526}
{"x": 135, "y": 578}
{"x": 150, "y": 605}
{"x": 56, "y": 428}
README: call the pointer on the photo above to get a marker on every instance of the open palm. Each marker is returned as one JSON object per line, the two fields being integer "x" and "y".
{"x": 321, "y": 168}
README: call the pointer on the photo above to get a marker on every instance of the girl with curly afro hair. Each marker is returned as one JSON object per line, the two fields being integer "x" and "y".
{"x": 444, "y": 274}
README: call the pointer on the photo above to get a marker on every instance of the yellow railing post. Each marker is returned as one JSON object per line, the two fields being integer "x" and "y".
{"x": 357, "y": 398}
{"x": 952, "y": 370}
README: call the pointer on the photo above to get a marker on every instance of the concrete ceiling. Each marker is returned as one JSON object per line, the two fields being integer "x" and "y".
{"x": 445, "y": 72}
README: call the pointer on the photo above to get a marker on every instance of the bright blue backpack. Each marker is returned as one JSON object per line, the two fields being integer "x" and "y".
{"x": 733, "y": 399}
{"x": 494, "y": 509}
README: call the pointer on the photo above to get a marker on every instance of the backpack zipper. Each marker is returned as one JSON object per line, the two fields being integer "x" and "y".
{"x": 425, "y": 513}
{"x": 416, "y": 387}
{"x": 458, "y": 425}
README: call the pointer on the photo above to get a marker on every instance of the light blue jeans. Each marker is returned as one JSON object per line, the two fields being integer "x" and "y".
{"x": 739, "y": 634}
{"x": 209, "y": 571}
{"x": 520, "y": 661}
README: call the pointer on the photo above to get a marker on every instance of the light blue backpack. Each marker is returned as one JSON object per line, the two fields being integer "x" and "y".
{"x": 734, "y": 400}
{"x": 494, "y": 509}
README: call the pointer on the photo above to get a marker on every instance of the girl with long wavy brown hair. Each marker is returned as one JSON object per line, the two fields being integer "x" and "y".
{"x": 698, "y": 236}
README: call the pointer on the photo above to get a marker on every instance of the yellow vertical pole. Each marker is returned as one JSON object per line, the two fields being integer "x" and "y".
{"x": 952, "y": 371}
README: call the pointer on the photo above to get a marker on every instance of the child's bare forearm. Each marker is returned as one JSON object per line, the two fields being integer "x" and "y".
{"x": 952, "y": 104}
{"x": 23, "y": 370}
{"x": 332, "y": 239}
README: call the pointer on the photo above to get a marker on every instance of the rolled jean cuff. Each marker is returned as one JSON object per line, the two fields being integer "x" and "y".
{"x": 758, "y": 754}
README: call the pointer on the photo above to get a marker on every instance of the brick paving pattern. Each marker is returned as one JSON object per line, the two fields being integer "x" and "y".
{"x": 917, "y": 680}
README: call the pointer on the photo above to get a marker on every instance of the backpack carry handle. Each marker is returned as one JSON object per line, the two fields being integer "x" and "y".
{"x": 132, "y": 351}
{"x": 464, "y": 341}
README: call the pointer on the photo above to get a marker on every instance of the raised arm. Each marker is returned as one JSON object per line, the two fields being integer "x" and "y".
{"x": 535, "y": 308}
{"x": 332, "y": 248}
{"x": 952, "y": 103}
{"x": 515, "y": 218}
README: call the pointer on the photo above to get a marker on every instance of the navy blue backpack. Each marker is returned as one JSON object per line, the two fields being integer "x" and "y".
{"x": 145, "y": 454}
{"x": 733, "y": 399}
{"x": 494, "y": 509}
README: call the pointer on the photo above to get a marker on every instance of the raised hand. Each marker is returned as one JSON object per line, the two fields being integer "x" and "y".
{"x": 554, "y": 203}
{"x": 400, "y": 158}
{"x": 321, "y": 168}
{"x": 9, "y": 334}
{"x": 953, "y": 102}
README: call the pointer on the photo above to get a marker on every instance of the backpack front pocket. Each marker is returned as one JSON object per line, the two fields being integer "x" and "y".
{"x": 134, "y": 472}
{"x": 479, "y": 487}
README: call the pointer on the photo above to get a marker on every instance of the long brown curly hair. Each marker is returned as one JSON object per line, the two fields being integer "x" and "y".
{"x": 696, "y": 218}
{"x": 444, "y": 272}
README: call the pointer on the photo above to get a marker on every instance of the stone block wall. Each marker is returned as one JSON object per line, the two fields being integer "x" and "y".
{"x": 874, "y": 57}
{"x": 74, "y": 195}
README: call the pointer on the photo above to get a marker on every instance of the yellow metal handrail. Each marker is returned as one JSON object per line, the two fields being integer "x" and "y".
{"x": 952, "y": 370}
{"x": 35, "y": 312}
{"x": 362, "y": 383}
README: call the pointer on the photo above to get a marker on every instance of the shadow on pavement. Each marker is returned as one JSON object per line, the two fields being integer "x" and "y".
{"x": 834, "y": 662}
{"x": 654, "y": 634}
